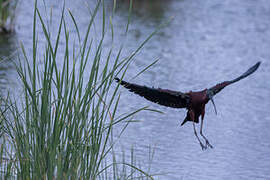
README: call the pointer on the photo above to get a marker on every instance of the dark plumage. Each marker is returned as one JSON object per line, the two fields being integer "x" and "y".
{"x": 163, "y": 97}
{"x": 194, "y": 102}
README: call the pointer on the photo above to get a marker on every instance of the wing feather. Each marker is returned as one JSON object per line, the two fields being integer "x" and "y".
{"x": 160, "y": 96}
{"x": 217, "y": 88}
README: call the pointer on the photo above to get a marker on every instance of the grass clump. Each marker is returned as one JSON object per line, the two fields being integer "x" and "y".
{"x": 7, "y": 15}
{"x": 62, "y": 128}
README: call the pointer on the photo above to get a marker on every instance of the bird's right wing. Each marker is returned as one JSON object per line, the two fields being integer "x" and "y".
{"x": 163, "y": 97}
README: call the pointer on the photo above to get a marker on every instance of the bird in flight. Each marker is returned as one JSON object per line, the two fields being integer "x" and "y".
{"x": 194, "y": 102}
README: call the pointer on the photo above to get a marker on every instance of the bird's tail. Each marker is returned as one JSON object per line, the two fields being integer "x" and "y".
{"x": 185, "y": 120}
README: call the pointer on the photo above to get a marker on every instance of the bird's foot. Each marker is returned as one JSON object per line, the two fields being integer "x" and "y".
{"x": 207, "y": 144}
{"x": 204, "y": 147}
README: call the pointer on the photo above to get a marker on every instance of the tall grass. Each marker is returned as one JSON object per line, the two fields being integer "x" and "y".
{"x": 7, "y": 15}
{"x": 63, "y": 127}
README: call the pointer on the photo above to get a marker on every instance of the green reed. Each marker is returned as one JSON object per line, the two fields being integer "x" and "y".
{"x": 63, "y": 126}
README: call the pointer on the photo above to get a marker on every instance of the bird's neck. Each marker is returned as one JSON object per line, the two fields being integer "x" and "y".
{"x": 199, "y": 98}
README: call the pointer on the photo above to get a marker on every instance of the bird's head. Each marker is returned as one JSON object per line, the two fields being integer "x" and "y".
{"x": 210, "y": 95}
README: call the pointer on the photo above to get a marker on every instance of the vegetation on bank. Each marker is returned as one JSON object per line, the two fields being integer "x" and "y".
{"x": 7, "y": 15}
{"x": 62, "y": 128}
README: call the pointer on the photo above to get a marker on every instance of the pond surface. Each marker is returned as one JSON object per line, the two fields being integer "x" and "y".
{"x": 206, "y": 43}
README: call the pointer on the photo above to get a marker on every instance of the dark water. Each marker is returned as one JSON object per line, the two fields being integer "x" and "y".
{"x": 207, "y": 42}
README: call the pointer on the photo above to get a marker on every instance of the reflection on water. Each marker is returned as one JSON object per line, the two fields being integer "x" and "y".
{"x": 151, "y": 9}
{"x": 207, "y": 42}
{"x": 8, "y": 49}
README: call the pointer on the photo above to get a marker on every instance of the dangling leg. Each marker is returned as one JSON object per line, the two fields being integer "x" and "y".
{"x": 206, "y": 140}
{"x": 192, "y": 116}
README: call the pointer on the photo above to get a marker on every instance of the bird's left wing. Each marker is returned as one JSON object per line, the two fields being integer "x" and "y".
{"x": 217, "y": 88}
{"x": 163, "y": 97}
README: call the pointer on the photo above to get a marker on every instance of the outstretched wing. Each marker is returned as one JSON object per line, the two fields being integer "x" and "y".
{"x": 163, "y": 97}
{"x": 217, "y": 88}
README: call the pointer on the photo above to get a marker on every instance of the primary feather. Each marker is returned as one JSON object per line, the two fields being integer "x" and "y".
{"x": 165, "y": 97}
{"x": 217, "y": 88}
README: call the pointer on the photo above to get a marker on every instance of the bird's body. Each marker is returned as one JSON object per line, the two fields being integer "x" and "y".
{"x": 198, "y": 100}
{"x": 194, "y": 102}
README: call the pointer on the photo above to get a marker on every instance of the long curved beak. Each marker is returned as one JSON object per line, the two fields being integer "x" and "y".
{"x": 212, "y": 100}
{"x": 210, "y": 95}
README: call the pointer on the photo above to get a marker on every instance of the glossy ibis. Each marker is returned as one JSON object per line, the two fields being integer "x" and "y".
{"x": 194, "y": 102}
